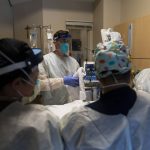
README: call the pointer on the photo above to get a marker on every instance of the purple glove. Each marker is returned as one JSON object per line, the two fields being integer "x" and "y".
{"x": 72, "y": 81}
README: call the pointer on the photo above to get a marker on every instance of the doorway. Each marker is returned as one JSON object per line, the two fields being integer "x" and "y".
{"x": 81, "y": 44}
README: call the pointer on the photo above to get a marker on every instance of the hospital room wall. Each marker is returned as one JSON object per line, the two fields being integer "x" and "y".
{"x": 132, "y": 9}
{"x": 56, "y": 13}
{"x": 137, "y": 13}
{"x": 106, "y": 14}
{"x": 27, "y": 13}
{"x": 97, "y": 21}
{"x": 53, "y": 12}
{"x": 119, "y": 15}
{"x": 6, "y": 20}
{"x": 111, "y": 13}
{"x": 140, "y": 46}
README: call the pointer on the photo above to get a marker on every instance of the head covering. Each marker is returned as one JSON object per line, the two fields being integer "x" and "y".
{"x": 114, "y": 58}
{"x": 61, "y": 34}
{"x": 17, "y": 59}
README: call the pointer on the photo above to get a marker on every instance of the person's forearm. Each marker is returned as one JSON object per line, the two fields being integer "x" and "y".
{"x": 50, "y": 84}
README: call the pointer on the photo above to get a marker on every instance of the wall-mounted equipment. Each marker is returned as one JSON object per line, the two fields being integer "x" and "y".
{"x": 35, "y": 35}
{"x": 130, "y": 36}
{"x": 49, "y": 36}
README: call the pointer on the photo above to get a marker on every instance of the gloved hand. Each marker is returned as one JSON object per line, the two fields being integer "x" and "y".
{"x": 72, "y": 81}
{"x": 80, "y": 72}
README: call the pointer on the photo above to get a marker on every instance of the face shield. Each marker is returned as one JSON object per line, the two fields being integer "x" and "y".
{"x": 30, "y": 62}
{"x": 63, "y": 38}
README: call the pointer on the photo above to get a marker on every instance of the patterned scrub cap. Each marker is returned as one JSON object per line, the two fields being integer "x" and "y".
{"x": 114, "y": 58}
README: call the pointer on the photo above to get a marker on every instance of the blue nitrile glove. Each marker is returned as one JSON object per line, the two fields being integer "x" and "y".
{"x": 72, "y": 81}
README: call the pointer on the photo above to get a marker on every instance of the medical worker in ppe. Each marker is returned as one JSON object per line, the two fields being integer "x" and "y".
{"x": 120, "y": 119}
{"x": 142, "y": 80}
{"x": 23, "y": 127}
{"x": 59, "y": 65}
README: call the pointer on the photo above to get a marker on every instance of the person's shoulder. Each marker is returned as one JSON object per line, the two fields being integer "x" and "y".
{"x": 51, "y": 54}
{"x": 50, "y": 58}
{"x": 79, "y": 112}
{"x": 70, "y": 57}
{"x": 30, "y": 113}
{"x": 28, "y": 121}
{"x": 18, "y": 115}
{"x": 42, "y": 111}
{"x": 73, "y": 59}
{"x": 142, "y": 102}
{"x": 77, "y": 116}
{"x": 143, "y": 95}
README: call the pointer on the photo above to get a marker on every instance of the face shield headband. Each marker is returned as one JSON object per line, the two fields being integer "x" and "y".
{"x": 30, "y": 63}
{"x": 64, "y": 35}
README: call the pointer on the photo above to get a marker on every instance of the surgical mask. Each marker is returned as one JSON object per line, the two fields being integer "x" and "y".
{"x": 20, "y": 66}
{"x": 64, "y": 48}
{"x": 28, "y": 82}
{"x": 26, "y": 100}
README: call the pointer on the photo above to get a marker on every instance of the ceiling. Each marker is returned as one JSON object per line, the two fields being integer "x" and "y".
{"x": 84, "y": 0}
{"x": 20, "y": 1}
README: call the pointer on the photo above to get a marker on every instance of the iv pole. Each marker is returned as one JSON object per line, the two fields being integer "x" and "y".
{"x": 40, "y": 27}
{"x": 13, "y": 24}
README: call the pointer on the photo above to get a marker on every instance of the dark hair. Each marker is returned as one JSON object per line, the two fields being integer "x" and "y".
{"x": 61, "y": 34}
{"x": 17, "y": 51}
